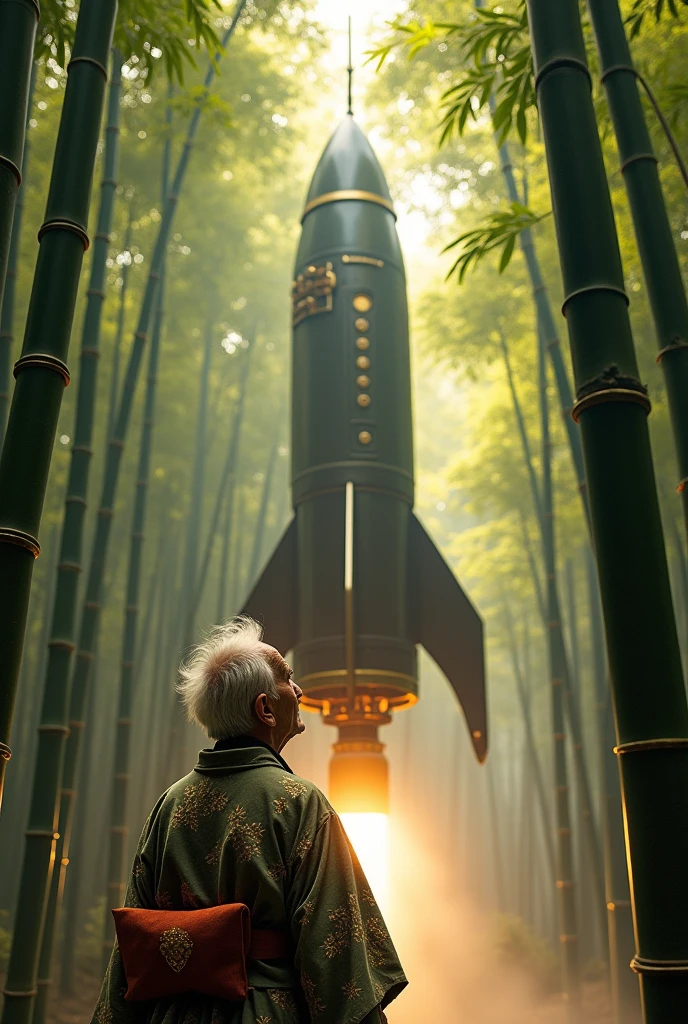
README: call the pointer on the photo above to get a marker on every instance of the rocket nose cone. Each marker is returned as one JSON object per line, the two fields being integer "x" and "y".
{"x": 348, "y": 163}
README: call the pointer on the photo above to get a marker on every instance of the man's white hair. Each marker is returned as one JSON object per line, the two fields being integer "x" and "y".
{"x": 224, "y": 675}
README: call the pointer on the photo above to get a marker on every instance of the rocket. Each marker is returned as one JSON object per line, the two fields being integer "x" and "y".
{"x": 356, "y": 583}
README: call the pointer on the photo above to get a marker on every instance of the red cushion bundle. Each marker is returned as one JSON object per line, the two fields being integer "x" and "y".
{"x": 167, "y": 952}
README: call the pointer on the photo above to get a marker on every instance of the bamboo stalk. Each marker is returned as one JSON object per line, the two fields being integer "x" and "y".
{"x": 551, "y": 618}
{"x": 8, "y": 298}
{"x": 521, "y": 690}
{"x": 119, "y": 820}
{"x": 41, "y": 371}
{"x": 640, "y": 172}
{"x": 193, "y": 531}
{"x": 40, "y": 844}
{"x": 226, "y": 485}
{"x": 588, "y": 916}
{"x": 612, "y": 407}
{"x": 496, "y": 844}
{"x": 237, "y": 569}
{"x": 119, "y": 332}
{"x": 259, "y": 534}
{"x": 18, "y": 21}
{"x": 624, "y": 984}
{"x": 566, "y": 901}
{"x": 221, "y": 610}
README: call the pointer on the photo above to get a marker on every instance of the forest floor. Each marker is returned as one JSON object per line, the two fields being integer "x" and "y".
{"x": 596, "y": 1006}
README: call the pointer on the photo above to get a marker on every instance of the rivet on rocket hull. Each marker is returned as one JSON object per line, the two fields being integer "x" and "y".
{"x": 355, "y": 582}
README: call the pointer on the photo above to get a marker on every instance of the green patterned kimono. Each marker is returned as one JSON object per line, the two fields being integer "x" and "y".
{"x": 241, "y": 828}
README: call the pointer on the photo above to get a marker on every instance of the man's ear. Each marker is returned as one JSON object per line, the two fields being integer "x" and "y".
{"x": 263, "y": 711}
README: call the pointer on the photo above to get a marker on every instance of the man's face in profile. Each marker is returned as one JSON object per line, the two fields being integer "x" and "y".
{"x": 286, "y": 710}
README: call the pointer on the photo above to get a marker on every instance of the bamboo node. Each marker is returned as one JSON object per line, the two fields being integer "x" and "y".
{"x": 614, "y": 289}
{"x": 62, "y": 224}
{"x": 560, "y": 736}
{"x": 676, "y": 346}
{"x": 643, "y": 965}
{"x": 616, "y": 904}
{"x": 89, "y": 60}
{"x": 45, "y": 360}
{"x": 563, "y": 884}
{"x": 5, "y": 161}
{"x": 28, "y": 994}
{"x": 95, "y": 291}
{"x": 634, "y": 395}
{"x": 5, "y": 752}
{"x": 9, "y": 535}
{"x": 562, "y": 62}
{"x": 634, "y": 159}
{"x": 65, "y": 645}
{"x": 568, "y": 938}
{"x": 85, "y": 450}
{"x": 39, "y": 833}
{"x": 69, "y": 567}
{"x": 658, "y": 743}
{"x": 61, "y": 729}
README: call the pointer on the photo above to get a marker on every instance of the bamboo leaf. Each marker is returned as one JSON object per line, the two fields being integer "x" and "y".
{"x": 498, "y": 231}
{"x": 507, "y": 253}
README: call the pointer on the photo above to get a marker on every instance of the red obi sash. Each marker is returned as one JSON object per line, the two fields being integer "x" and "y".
{"x": 167, "y": 952}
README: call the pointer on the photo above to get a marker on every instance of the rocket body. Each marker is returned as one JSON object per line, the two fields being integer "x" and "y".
{"x": 356, "y": 583}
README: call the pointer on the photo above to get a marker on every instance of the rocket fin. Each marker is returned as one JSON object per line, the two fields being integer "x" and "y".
{"x": 273, "y": 600}
{"x": 447, "y": 625}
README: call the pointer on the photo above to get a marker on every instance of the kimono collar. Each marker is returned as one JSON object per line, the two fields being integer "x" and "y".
{"x": 239, "y": 754}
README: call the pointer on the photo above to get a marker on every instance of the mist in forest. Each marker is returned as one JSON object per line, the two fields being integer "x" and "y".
{"x": 471, "y": 865}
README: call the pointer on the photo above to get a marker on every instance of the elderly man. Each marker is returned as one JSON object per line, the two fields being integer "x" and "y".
{"x": 241, "y": 828}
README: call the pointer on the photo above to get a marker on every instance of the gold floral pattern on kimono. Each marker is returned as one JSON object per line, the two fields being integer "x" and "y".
{"x": 164, "y": 901}
{"x": 280, "y": 804}
{"x": 351, "y": 990}
{"x": 244, "y": 837}
{"x": 294, "y": 787}
{"x": 277, "y": 871}
{"x": 301, "y": 848}
{"x": 103, "y": 1014}
{"x": 201, "y": 799}
{"x": 263, "y": 1019}
{"x": 283, "y": 998}
{"x": 348, "y": 927}
{"x": 315, "y": 1003}
{"x": 377, "y": 940}
{"x": 306, "y": 911}
{"x": 367, "y": 897}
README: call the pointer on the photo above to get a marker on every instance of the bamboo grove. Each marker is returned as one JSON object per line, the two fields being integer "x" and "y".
{"x": 156, "y": 484}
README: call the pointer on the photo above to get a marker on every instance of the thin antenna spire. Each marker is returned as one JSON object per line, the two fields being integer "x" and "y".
{"x": 350, "y": 71}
